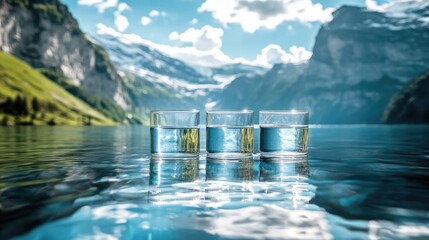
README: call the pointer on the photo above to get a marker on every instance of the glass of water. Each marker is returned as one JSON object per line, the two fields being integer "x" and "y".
{"x": 174, "y": 133}
{"x": 229, "y": 133}
{"x": 283, "y": 132}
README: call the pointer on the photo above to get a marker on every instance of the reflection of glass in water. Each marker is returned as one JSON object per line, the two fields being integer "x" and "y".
{"x": 170, "y": 140}
{"x": 164, "y": 171}
{"x": 283, "y": 169}
{"x": 231, "y": 170}
{"x": 286, "y": 178}
{"x": 284, "y": 139}
{"x": 230, "y": 140}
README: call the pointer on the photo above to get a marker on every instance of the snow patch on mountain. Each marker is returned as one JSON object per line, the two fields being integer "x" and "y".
{"x": 402, "y": 13}
{"x": 181, "y": 78}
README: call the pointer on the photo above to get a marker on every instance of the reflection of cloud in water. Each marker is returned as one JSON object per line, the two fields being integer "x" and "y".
{"x": 268, "y": 222}
{"x": 265, "y": 221}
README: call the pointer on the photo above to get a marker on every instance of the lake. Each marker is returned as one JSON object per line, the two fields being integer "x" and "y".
{"x": 360, "y": 182}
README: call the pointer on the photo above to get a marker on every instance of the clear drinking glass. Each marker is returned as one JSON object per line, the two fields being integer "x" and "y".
{"x": 283, "y": 132}
{"x": 175, "y": 133}
{"x": 229, "y": 133}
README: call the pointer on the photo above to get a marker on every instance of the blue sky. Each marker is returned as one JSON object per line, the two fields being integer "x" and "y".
{"x": 229, "y": 30}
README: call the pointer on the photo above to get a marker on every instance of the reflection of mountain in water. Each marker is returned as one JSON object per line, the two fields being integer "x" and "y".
{"x": 229, "y": 170}
{"x": 167, "y": 171}
{"x": 61, "y": 167}
{"x": 232, "y": 194}
{"x": 357, "y": 182}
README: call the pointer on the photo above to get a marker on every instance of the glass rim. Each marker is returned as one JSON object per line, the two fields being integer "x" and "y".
{"x": 230, "y": 111}
{"x": 293, "y": 111}
{"x": 175, "y": 111}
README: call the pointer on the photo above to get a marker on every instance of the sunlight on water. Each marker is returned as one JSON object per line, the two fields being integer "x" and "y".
{"x": 88, "y": 183}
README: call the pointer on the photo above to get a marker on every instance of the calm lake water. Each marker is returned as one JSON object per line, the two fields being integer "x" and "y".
{"x": 360, "y": 182}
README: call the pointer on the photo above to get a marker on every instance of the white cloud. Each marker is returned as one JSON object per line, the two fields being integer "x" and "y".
{"x": 255, "y": 14}
{"x": 297, "y": 55}
{"x": 209, "y": 39}
{"x": 101, "y": 5}
{"x": 204, "y": 39}
{"x": 273, "y": 54}
{"x": 123, "y": 6}
{"x": 193, "y": 21}
{"x": 154, "y": 13}
{"x": 191, "y": 55}
{"x": 173, "y": 36}
{"x": 89, "y": 2}
{"x": 209, "y": 54}
{"x": 145, "y": 20}
{"x": 121, "y": 22}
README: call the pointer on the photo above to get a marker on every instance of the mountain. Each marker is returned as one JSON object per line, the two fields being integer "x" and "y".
{"x": 158, "y": 81}
{"x": 44, "y": 102}
{"x": 44, "y": 34}
{"x": 256, "y": 91}
{"x": 155, "y": 80}
{"x": 237, "y": 69}
{"x": 360, "y": 60}
{"x": 136, "y": 56}
{"x": 411, "y": 104}
{"x": 149, "y": 95}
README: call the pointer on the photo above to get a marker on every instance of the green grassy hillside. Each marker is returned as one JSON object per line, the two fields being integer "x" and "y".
{"x": 54, "y": 104}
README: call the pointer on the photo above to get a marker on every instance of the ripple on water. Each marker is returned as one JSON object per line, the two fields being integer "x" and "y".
{"x": 86, "y": 183}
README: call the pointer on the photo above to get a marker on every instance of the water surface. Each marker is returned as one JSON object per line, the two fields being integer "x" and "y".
{"x": 361, "y": 182}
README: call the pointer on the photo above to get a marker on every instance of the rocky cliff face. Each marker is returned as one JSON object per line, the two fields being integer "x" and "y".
{"x": 360, "y": 59}
{"x": 44, "y": 34}
{"x": 360, "y": 45}
{"x": 411, "y": 104}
